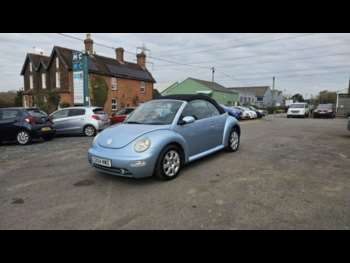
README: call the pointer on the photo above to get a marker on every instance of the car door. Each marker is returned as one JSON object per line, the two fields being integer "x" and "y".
{"x": 75, "y": 121}
{"x": 60, "y": 121}
{"x": 217, "y": 123}
{"x": 197, "y": 133}
{"x": 8, "y": 123}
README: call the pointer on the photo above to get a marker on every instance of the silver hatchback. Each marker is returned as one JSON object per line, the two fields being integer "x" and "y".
{"x": 80, "y": 120}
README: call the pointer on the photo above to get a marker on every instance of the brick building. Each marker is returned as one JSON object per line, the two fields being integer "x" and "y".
{"x": 128, "y": 83}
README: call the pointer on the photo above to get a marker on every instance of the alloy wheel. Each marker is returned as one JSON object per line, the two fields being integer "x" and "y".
{"x": 234, "y": 140}
{"x": 89, "y": 131}
{"x": 171, "y": 163}
{"x": 23, "y": 137}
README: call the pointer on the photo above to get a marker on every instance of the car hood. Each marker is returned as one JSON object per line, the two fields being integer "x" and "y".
{"x": 120, "y": 135}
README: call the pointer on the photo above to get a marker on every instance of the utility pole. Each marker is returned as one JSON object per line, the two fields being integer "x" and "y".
{"x": 212, "y": 76}
{"x": 273, "y": 91}
{"x": 273, "y": 83}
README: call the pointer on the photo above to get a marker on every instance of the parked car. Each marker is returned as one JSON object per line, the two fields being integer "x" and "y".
{"x": 121, "y": 115}
{"x": 259, "y": 113}
{"x": 162, "y": 135}
{"x": 324, "y": 110}
{"x": 80, "y": 120}
{"x": 24, "y": 124}
{"x": 244, "y": 113}
{"x": 300, "y": 109}
{"x": 252, "y": 114}
{"x": 233, "y": 112}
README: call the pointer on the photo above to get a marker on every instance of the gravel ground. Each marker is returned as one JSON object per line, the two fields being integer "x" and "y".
{"x": 288, "y": 174}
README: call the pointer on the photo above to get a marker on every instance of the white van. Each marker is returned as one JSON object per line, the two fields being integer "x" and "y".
{"x": 299, "y": 109}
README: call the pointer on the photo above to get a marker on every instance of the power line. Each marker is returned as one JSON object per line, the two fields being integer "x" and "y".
{"x": 246, "y": 44}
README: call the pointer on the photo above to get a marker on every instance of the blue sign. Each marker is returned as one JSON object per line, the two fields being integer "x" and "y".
{"x": 80, "y": 78}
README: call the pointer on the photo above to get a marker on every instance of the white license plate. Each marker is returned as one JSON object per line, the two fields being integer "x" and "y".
{"x": 102, "y": 162}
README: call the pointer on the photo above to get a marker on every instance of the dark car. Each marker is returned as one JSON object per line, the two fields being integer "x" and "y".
{"x": 232, "y": 111}
{"x": 24, "y": 124}
{"x": 324, "y": 110}
{"x": 121, "y": 115}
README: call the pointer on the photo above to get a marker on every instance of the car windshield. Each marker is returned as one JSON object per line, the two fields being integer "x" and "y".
{"x": 37, "y": 113}
{"x": 324, "y": 106}
{"x": 156, "y": 112}
{"x": 297, "y": 106}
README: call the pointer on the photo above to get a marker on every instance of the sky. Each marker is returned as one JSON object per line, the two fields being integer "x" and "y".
{"x": 303, "y": 63}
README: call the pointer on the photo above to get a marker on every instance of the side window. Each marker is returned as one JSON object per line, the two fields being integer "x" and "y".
{"x": 76, "y": 112}
{"x": 213, "y": 111}
{"x": 8, "y": 114}
{"x": 200, "y": 109}
{"x": 60, "y": 114}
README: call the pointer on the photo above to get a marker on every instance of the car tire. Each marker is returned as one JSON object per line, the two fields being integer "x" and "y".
{"x": 89, "y": 131}
{"x": 233, "y": 140}
{"x": 48, "y": 137}
{"x": 169, "y": 163}
{"x": 23, "y": 137}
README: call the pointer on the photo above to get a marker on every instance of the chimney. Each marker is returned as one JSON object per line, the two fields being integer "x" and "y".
{"x": 141, "y": 59}
{"x": 89, "y": 44}
{"x": 119, "y": 52}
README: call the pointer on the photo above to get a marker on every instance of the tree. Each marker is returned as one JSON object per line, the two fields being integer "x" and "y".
{"x": 326, "y": 97}
{"x": 99, "y": 91}
{"x": 18, "y": 101}
{"x": 298, "y": 97}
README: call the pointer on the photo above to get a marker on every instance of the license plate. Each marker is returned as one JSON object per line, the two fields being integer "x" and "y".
{"x": 46, "y": 129}
{"x": 102, "y": 162}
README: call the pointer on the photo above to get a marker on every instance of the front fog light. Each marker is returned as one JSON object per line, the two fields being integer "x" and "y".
{"x": 142, "y": 145}
{"x": 138, "y": 164}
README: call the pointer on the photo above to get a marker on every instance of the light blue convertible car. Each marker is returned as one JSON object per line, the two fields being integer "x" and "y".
{"x": 162, "y": 135}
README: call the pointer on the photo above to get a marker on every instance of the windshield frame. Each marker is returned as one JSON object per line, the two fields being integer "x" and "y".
{"x": 301, "y": 106}
{"x": 177, "y": 115}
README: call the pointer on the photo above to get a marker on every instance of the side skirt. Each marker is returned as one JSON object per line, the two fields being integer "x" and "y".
{"x": 203, "y": 154}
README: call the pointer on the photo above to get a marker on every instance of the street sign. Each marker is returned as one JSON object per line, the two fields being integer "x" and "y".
{"x": 80, "y": 78}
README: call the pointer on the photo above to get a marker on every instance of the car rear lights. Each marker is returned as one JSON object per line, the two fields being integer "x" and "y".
{"x": 96, "y": 117}
{"x": 29, "y": 120}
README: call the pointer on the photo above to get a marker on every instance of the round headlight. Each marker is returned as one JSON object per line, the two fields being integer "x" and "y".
{"x": 142, "y": 145}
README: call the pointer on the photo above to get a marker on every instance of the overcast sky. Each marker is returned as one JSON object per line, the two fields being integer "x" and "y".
{"x": 301, "y": 62}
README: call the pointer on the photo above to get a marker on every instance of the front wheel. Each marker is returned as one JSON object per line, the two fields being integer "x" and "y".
{"x": 23, "y": 137}
{"x": 89, "y": 131}
{"x": 233, "y": 141}
{"x": 169, "y": 163}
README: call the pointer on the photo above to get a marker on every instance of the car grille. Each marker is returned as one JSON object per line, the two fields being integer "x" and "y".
{"x": 120, "y": 171}
{"x": 295, "y": 111}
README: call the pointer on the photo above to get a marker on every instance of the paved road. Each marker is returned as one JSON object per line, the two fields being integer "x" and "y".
{"x": 288, "y": 174}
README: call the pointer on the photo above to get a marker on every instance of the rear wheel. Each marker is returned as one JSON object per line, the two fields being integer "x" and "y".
{"x": 233, "y": 140}
{"x": 89, "y": 131}
{"x": 23, "y": 137}
{"x": 169, "y": 163}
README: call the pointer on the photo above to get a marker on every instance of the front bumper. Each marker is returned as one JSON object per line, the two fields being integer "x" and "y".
{"x": 323, "y": 114}
{"x": 123, "y": 161}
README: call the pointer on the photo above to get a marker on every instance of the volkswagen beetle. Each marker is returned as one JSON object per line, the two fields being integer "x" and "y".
{"x": 163, "y": 135}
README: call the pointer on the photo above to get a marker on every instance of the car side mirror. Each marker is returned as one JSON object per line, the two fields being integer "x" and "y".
{"x": 187, "y": 120}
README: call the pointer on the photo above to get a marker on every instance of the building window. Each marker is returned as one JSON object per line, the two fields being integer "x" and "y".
{"x": 43, "y": 80}
{"x": 114, "y": 84}
{"x": 30, "y": 67}
{"x": 57, "y": 63}
{"x": 58, "y": 80}
{"x": 143, "y": 87}
{"x": 31, "y": 83}
{"x": 114, "y": 104}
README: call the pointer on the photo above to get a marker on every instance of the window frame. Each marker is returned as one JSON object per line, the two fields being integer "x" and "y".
{"x": 142, "y": 87}
{"x": 83, "y": 112}
{"x": 58, "y": 80}
{"x": 67, "y": 110}
{"x": 114, "y": 84}
{"x": 31, "y": 81}
{"x": 190, "y": 104}
{"x": 43, "y": 80}
{"x": 115, "y": 105}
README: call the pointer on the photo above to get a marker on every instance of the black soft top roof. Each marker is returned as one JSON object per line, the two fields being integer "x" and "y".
{"x": 189, "y": 97}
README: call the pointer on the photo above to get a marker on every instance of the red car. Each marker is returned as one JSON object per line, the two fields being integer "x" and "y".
{"x": 121, "y": 115}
